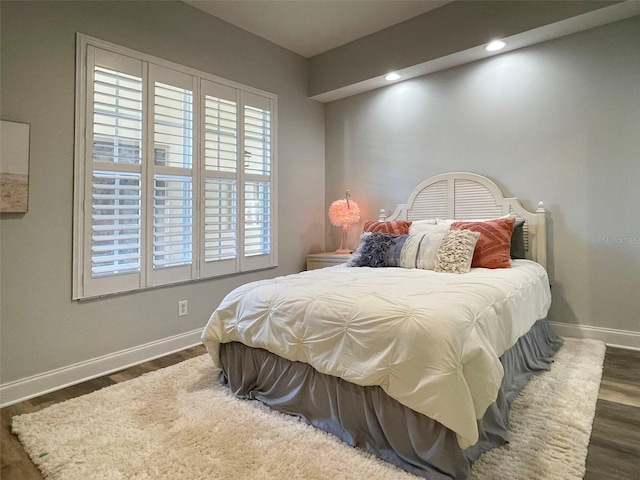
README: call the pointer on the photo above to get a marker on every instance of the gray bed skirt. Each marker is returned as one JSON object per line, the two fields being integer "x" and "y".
{"x": 367, "y": 418}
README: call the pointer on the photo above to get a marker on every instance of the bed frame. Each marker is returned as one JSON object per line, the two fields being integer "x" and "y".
{"x": 468, "y": 196}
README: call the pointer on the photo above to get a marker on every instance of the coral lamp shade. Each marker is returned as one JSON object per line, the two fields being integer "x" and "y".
{"x": 344, "y": 211}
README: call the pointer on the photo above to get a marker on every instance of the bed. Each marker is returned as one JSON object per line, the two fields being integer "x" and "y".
{"x": 417, "y": 366}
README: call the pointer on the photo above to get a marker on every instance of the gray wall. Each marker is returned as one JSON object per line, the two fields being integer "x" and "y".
{"x": 42, "y": 329}
{"x": 558, "y": 122}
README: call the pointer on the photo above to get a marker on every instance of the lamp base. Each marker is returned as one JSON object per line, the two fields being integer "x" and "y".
{"x": 343, "y": 241}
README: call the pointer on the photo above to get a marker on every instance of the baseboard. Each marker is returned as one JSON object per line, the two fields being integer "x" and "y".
{"x": 612, "y": 337}
{"x": 26, "y": 388}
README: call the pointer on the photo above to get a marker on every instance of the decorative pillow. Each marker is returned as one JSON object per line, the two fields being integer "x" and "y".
{"x": 372, "y": 251}
{"x": 427, "y": 221}
{"x": 420, "y": 227}
{"x": 448, "y": 251}
{"x": 448, "y": 221}
{"x": 414, "y": 251}
{"x": 493, "y": 249}
{"x": 517, "y": 240}
{"x": 456, "y": 251}
{"x": 399, "y": 227}
{"x": 518, "y": 249}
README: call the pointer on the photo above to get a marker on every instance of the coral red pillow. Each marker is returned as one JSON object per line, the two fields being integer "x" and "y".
{"x": 493, "y": 249}
{"x": 399, "y": 227}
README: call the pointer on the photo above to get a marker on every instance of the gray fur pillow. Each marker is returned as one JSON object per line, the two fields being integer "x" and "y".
{"x": 372, "y": 251}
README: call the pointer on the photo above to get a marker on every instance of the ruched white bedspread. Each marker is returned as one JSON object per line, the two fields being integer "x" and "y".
{"x": 431, "y": 340}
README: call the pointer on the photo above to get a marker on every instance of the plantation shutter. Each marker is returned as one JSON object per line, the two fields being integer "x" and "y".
{"x": 220, "y": 170}
{"x": 257, "y": 181}
{"x": 113, "y": 174}
{"x": 171, "y": 242}
{"x": 174, "y": 174}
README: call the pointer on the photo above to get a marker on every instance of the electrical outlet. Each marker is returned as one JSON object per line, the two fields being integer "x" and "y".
{"x": 182, "y": 308}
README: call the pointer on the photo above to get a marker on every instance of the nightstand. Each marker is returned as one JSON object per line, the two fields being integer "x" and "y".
{"x": 325, "y": 259}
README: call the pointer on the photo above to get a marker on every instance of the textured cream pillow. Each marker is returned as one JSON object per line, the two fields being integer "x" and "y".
{"x": 455, "y": 251}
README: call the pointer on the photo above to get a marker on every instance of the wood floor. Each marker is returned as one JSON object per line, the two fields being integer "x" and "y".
{"x": 614, "y": 451}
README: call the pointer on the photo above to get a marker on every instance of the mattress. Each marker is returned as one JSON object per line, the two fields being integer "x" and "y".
{"x": 431, "y": 341}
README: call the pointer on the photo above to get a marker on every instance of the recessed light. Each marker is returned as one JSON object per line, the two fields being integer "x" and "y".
{"x": 390, "y": 77}
{"x": 495, "y": 45}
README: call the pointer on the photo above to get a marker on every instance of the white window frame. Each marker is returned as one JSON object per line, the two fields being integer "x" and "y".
{"x": 150, "y": 69}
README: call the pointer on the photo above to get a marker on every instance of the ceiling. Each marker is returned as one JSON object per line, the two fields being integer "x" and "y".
{"x": 320, "y": 29}
{"x": 311, "y": 27}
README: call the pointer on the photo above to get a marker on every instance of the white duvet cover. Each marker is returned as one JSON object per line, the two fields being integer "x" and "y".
{"x": 431, "y": 340}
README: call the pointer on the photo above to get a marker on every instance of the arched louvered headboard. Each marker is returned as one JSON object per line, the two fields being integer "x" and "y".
{"x": 468, "y": 196}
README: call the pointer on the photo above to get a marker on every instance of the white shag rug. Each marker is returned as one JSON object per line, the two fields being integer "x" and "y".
{"x": 178, "y": 423}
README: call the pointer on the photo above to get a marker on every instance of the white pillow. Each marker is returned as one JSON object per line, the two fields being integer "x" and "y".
{"x": 449, "y": 221}
{"x": 428, "y": 221}
{"x": 420, "y": 227}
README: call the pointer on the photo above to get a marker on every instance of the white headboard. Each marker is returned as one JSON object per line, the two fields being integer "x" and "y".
{"x": 467, "y": 196}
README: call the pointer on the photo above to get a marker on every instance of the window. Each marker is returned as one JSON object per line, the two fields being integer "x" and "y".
{"x": 174, "y": 177}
